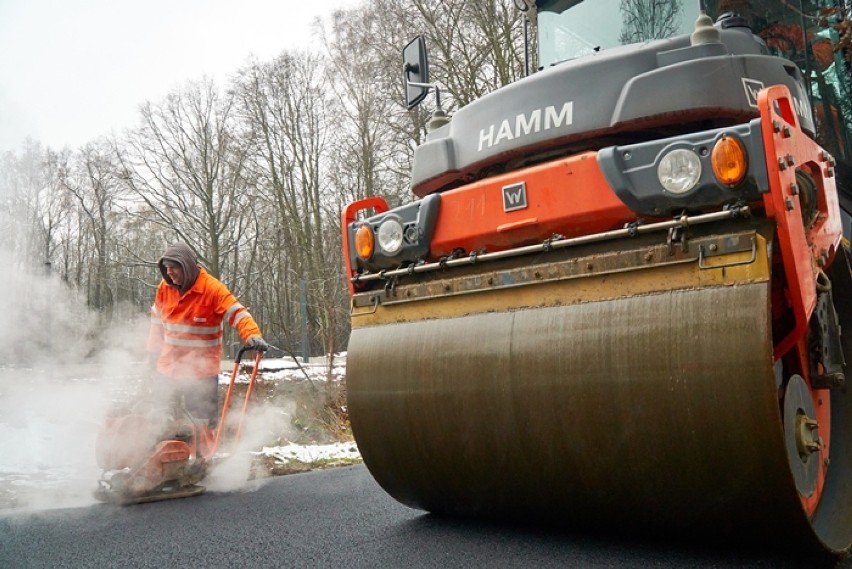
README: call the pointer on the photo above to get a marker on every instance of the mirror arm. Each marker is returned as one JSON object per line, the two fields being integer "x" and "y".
{"x": 431, "y": 86}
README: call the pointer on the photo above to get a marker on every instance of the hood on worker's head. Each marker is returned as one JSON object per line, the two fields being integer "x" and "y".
{"x": 181, "y": 254}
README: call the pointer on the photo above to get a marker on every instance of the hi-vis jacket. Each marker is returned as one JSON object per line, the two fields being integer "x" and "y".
{"x": 186, "y": 329}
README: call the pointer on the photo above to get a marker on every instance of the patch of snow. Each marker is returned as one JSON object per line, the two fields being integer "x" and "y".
{"x": 312, "y": 453}
{"x": 287, "y": 369}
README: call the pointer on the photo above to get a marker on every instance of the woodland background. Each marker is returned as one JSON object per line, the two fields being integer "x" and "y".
{"x": 253, "y": 173}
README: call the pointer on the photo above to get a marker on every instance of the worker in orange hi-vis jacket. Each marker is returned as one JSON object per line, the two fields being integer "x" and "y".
{"x": 186, "y": 332}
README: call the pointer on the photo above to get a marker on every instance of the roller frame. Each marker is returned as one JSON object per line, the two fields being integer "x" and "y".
{"x": 420, "y": 430}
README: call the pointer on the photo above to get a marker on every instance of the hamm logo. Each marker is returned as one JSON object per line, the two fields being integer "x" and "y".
{"x": 515, "y": 196}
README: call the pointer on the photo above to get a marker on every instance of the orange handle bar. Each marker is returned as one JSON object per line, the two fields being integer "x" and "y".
{"x": 227, "y": 404}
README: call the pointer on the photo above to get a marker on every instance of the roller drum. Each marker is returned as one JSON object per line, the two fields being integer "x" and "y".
{"x": 650, "y": 411}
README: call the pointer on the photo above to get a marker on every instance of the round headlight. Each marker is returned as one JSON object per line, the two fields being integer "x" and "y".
{"x": 389, "y": 236}
{"x": 679, "y": 170}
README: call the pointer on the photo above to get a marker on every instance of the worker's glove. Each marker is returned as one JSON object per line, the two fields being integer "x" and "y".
{"x": 257, "y": 343}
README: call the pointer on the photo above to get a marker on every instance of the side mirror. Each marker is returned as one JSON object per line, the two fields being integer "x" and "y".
{"x": 415, "y": 72}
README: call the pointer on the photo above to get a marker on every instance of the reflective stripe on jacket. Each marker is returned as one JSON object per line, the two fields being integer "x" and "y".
{"x": 187, "y": 330}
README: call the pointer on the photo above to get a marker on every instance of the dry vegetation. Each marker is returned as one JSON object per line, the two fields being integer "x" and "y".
{"x": 316, "y": 413}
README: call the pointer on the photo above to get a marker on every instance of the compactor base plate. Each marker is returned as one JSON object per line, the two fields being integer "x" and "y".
{"x": 166, "y": 493}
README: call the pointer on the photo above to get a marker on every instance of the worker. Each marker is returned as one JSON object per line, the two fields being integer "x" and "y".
{"x": 185, "y": 339}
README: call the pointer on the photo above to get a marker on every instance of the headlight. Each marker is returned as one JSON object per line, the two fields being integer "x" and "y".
{"x": 364, "y": 241}
{"x": 389, "y": 236}
{"x": 729, "y": 160}
{"x": 679, "y": 171}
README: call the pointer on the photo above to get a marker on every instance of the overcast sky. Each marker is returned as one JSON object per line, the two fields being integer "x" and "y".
{"x": 71, "y": 70}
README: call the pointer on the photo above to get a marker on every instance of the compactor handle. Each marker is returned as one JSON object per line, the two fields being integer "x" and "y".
{"x": 243, "y": 349}
{"x": 227, "y": 403}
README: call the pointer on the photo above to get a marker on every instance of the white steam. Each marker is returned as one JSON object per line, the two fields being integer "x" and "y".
{"x": 262, "y": 423}
{"x": 60, "y": 370}
{"x": 63, "y": 371}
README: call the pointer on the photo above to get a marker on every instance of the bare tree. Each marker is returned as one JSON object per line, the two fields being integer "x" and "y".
{"x": 186, "y": 168}
{"x": 284, "y": 107}
{"x": 34, "y": 205}
{"x": 93, "y": 181}
{"x": 254, "y": 177}
{"x": 644, "y": 20}
{"x": 477, "y": 46}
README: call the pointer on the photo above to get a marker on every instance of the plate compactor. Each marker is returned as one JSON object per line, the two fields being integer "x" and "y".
{"x": 161, "y": 453}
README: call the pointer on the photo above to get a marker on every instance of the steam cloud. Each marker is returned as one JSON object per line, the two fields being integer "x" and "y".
{"x": 261, "y": 424}
{"x": 60, "y": 371}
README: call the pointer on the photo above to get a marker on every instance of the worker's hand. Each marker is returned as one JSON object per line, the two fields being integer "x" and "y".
{"x": 257, "y": 343}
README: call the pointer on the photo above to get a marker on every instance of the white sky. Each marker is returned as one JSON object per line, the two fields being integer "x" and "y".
{"x": 72, "y": 70}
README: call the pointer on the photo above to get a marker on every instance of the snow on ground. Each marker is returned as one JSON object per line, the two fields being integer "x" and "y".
{"x": 287, "y": 369}
{"x": 49, "y": 424}
{"x": 312, "y": 453}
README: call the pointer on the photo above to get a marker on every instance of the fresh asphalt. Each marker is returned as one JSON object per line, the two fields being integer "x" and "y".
{"x": 331, "y": 518}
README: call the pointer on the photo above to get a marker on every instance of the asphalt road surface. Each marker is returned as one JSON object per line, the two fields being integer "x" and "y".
{"x": 331, "y": 518}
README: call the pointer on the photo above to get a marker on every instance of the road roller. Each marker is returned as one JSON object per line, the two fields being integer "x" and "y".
{"x": 621, "y": 294}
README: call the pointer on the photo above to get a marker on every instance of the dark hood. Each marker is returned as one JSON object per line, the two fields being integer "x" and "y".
{"x": 180, "y": 253}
